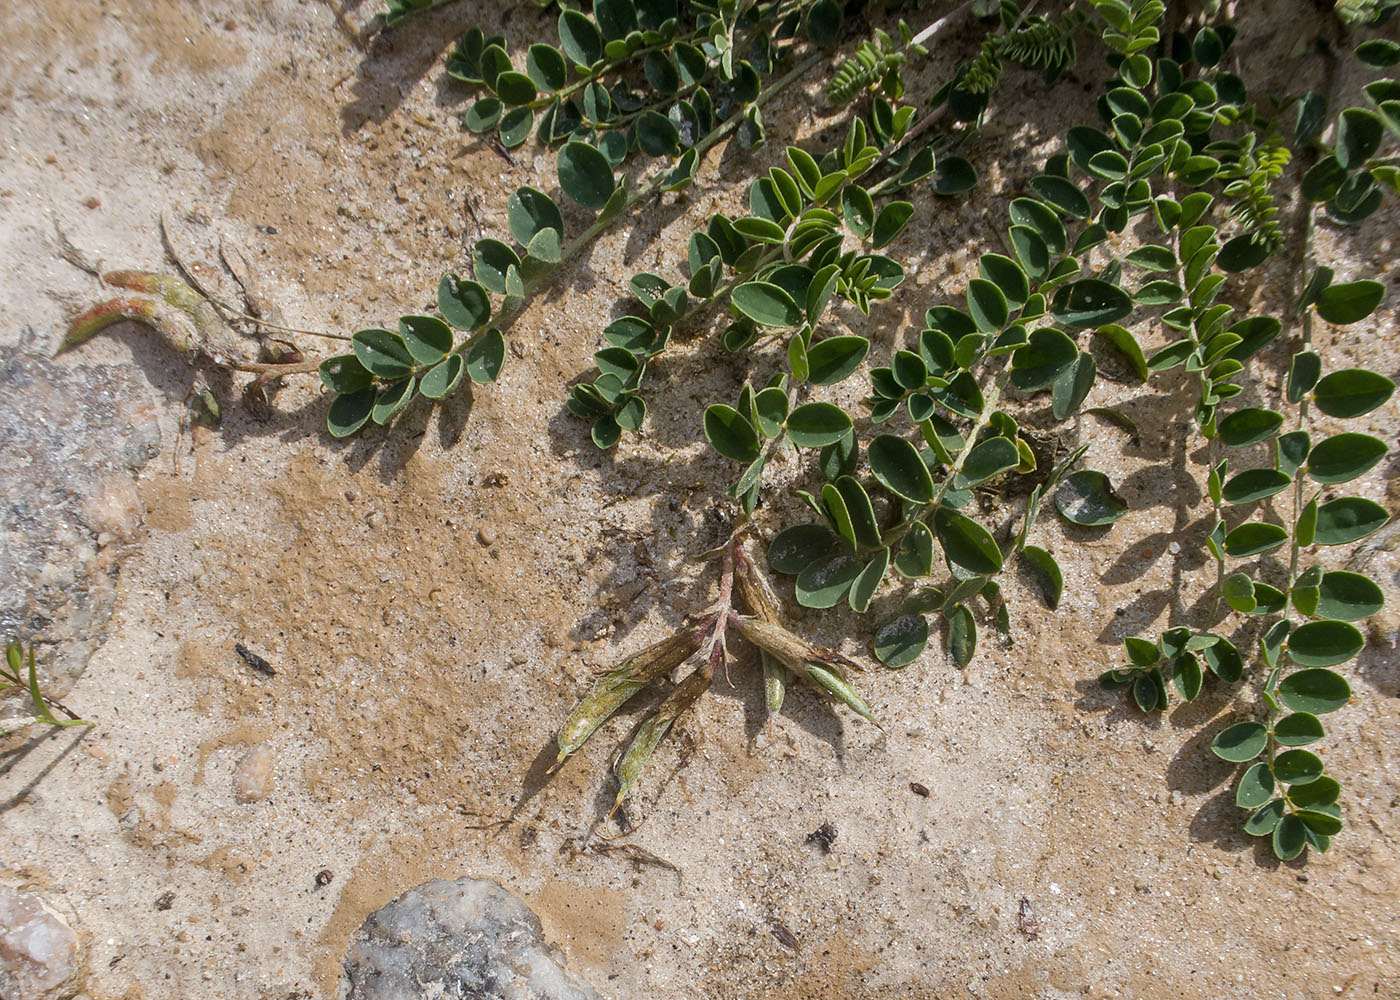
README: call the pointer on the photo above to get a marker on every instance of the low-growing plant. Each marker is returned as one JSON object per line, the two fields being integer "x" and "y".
{"x": 14, "y": 678}
{"x": 1131, "y": 250}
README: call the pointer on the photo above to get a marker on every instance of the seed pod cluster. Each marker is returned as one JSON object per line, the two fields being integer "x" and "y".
{"x": 615, "y": 687}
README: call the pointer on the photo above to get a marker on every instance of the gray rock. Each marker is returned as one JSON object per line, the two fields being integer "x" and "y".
{"x": 72, "y": 437}
{"x": 464, "y": 940}
{"x": 39, "y": 953}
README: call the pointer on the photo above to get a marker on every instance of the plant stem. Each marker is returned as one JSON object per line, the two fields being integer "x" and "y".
{"x": 654, "y": 185}
{"x": 989, "y": 404}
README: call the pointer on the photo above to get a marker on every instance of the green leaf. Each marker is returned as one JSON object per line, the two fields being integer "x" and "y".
{"x": 1359, "y": 135}
{"x": 897, "y": 466}
{"x": 1320, "y": 793}
{"x": 891, "y": 222}
{"x": 1046, "y": 572}
{"x": 1126, "y": 345}
{"x": 1090, "y": 302}
{"x": 514, "y": 88}
{"x": 1255, "y": 788}
{"x": 953, "y": 176}
{"x": 900, "y": 640}
{"x": 580, "y": 38}
{"x": 1289, "y": 838}
{"x": 1319, "y": 822}
{"x": 868, "y": 582}
{"x": 530, "y": 211}
{"x": 1348, "y": 597}
{"x": 767, "y": 305}
{"x": 824, "y": 23}
{"x": 483, "y": 115}
{"x": 1031, "y": 251}
{"x": 858, "y": 210}
{"x": 1071, "y": 388}
{"x": 914, "y": 557}
{"x": 815, "y": 425}
{"x": 796, "y": 548}
{"x": 463, "y": 303}
{"x": 428, "y": 339}
{"x": 1343, "y": 457}
{"x": 825, "y": 583}
{"x": 1378, "y": 52}
{"x": 1241, "y": 742}
{"x": 731, "y": 434}
{"x": 1348, "y": 519}
{"x": 1265, "y": 819}
{"x": 1042, "y": 219}
{"x": 344, "y": 374}
{"x": 1253, "y": 538}
{"x": 1141, "y": 652}
{"x": 491, "y": 262}
{"x": 545, "y": 66}
{"x": 1008, "y": 276}
{"x": 1255, "y": 484}
{"x": 391, "y": 399}
{"x": 1249, "y": 426}
{"x": 585, "y": 175}
{"x": 1238, "y": 591}
{"x": 1297, "y": 767}
{"x": 486, "y": 356}
{"x": 966, "y": 543}
{"x": 1062, "y": 195}
{"x": 1352, "y": 392}
{"x": 1048, "y": 354}
{"x": 657, "y": 135}
{"x": 962, "y": 636}
{"x": 1087, "y": 497}
{"x": 987, "y": 305}
{"x": 990, "y": 458}
{"x": 1298, "y": 730}
{"x": 1316, "y": 691}
{"x": 1224, "y": 660}
{"x": 1242, "y": 253}
{"x": 383, "y": 353}
{"x": 772, "y": 407}
{"x": 515, "y": 126}
{"x": 1147, "y": 694}
{"x": 1349, "y": 302}
{"x": 350, "y": 412}
{"x": 606, "y": 432}
{"x": 1303, "y": 372}
{"x": 1324, "y": 644}
{"x": 442, "y": 378}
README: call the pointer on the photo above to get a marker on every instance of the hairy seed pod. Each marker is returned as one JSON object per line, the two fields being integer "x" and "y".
{"x": 788, "y": 647}
{"x": 755, "y": 590}
{"x": 629, "y": 766}
{"x": 611, "y": 691}
{"x": 839, "y": 688}
{"x": 172, "y": 324}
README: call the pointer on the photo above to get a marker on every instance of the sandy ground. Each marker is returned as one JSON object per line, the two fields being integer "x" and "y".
{"x": 435, "y": 599}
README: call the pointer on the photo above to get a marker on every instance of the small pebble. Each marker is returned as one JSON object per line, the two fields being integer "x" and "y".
{"x": 252, "y": 779}
{"x": 486, "y": 536}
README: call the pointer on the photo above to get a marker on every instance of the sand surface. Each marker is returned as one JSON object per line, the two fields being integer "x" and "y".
{"x": 435, "y": 599}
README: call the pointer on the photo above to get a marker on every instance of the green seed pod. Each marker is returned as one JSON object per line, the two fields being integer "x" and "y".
{"x": 775, "y": 681}
{"x": 611, "y": 691}
{"x": 629, "y": 766}
{"x": 840, "y": 689}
